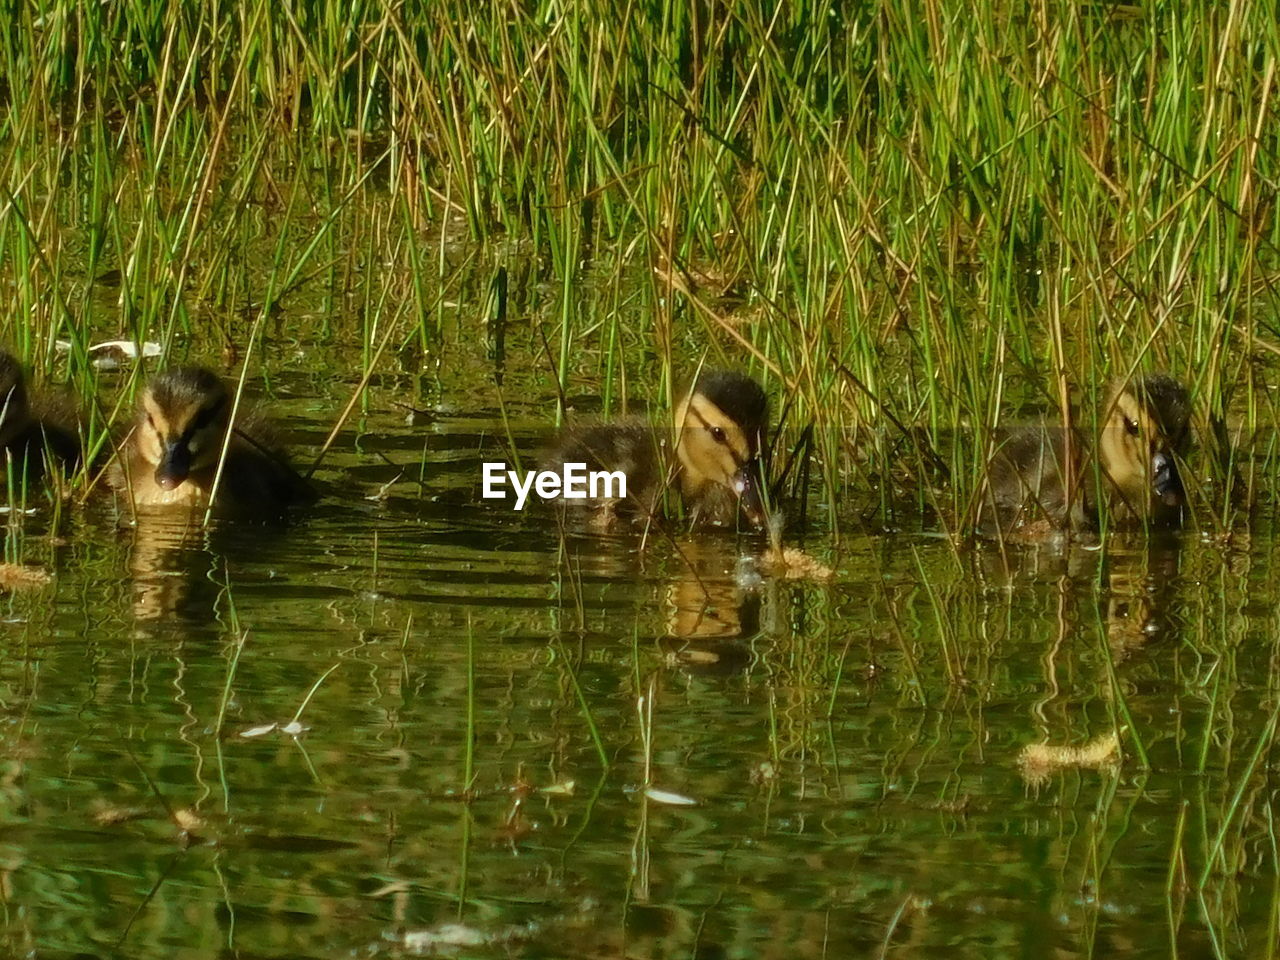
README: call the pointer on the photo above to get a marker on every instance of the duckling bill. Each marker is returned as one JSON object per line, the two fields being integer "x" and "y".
{"x": 171, "y": 457}
{"x": 186, "y": 413}
{"x": 712, "y": 454}
{"x": 1045, "y": 478}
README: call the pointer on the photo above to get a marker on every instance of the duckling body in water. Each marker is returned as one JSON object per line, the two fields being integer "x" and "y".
{"x": 171, "y": 457}
{"x": 32, "y": 439}
{"x": 1042, "y": 480}
{"x": 713, "y": 454}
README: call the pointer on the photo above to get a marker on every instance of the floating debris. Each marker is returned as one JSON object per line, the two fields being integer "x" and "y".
{"x": 746, "y": 576}
{"x": 112, "y": 354}
{"x": 16, "y": 576}
{"x": 696, "y": 655}
{"x": 187, "y": 820}
{"x": 293, "y": 729}
{"x": 669, "y": 798}
{"x": 1039, "y": 760}
{"x": 384, "y": 490}
{"x": 792, "y": 563}
{"x": 448, "y": 938}
{"x": 109, "y": 816}
{"x": 562, "y": 789}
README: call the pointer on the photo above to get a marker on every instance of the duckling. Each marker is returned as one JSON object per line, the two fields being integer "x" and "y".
{"x": 1037, "y": 482}
{"x": 719, "y": 430}
{"x": 171, "y": 457}
{"x": 29, "y": 437}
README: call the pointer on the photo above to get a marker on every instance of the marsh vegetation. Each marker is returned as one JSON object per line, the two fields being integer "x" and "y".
{"x": 438, "y": 232}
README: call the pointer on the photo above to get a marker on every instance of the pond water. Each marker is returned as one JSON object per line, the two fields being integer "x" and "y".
{"x": 833, "y": 768}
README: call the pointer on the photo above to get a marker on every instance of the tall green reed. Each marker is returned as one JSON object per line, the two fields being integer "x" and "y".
{"x": 915, "y": 222}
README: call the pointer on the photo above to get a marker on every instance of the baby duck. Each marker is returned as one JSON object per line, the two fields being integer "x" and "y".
{"x": 29, "y": 438}
{"x": 1038, "y": 483}
{"x": 171, "y": 457}
{"x": 719, "y": 429}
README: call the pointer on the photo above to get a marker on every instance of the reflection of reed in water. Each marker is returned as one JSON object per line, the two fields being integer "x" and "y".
{"x": 1026, "y": 561}
{"x": 1139, "y": 574}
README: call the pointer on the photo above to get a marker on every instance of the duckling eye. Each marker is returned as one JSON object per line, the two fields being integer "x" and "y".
{"x": 1131, "y": 427}
{"x": 205, "y": 417}
{"x": 717, "y": 434}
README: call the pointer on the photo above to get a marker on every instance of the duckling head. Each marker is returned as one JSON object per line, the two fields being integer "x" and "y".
{"x": 182, "y": 423}
{"x": 14, "y": 410}
{"x": 1146, "y": 424}
{"x": 720, "y": 428}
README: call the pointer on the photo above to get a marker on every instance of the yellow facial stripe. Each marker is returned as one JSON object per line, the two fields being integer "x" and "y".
{"x": 705, "y": 414}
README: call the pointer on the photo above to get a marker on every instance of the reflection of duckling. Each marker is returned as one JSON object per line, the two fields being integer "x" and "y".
{"x": 719, "y": 428}
{"x": 1140, "y": 583}
{"x": 29, "y": 437}
{"x": 706, "y": 600}
{"x": 170, "y": 562}
{"x": 172, "y": 455}
{"x": 1037, "y": 480}
{"x": 709, "y": 615}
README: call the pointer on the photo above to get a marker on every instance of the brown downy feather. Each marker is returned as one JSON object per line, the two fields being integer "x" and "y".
{"x": 171, "y": 457}
{"x": 35, "y": 432}
{"x": 714, "y": 459}
{"x": 1038, "y": 483}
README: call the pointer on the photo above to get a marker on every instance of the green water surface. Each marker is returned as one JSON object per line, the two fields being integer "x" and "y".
{"x": 480, "y": 693}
